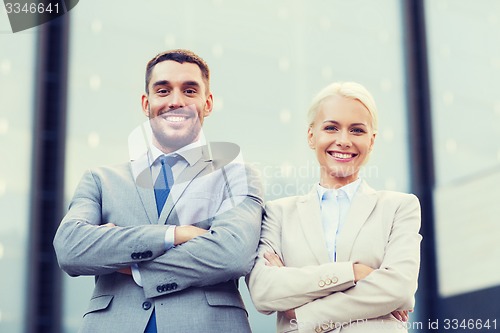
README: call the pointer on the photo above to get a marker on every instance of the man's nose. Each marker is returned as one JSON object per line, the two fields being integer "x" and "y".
{"x": 176, "y": 100}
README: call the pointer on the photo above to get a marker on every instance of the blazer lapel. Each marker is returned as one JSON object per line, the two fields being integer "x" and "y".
{"x": 141, "y": 174}
{"x": 310, "y": 220}
{"x": 362, "y": 206}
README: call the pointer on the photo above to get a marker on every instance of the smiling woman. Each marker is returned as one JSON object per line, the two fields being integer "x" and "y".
{"x": 343, "y": 256}
{"x": 341, "y": 131}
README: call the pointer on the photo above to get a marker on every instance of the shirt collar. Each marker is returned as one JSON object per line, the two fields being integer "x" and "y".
{"x": 349, "y": 189}
{"x": 190, "y": 152}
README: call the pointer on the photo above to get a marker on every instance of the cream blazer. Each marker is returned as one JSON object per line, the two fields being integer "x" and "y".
{"x": 381, "y": 231}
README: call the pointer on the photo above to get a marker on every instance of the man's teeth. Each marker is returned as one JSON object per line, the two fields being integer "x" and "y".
{"x": 175, "y": 118}
{"x": 340, "y": 155}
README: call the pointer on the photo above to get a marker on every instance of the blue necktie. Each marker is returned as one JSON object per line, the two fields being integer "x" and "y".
{"x": 151, "y": 327}
{"x": 164, "y": 181}
{"x": 162, "y": 187}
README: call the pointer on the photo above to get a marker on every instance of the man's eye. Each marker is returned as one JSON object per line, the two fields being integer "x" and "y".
{"x": 190, "y": 91}
{"x": 162, "y": 91}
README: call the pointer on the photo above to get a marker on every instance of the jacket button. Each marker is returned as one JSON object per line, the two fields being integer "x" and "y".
{"x": 148, "y": 254}
{"x": 133, "y": 255}
{"x": 159, "y": 289}
{"x": 146, "y": 305}
{"x": 174, "y": 286}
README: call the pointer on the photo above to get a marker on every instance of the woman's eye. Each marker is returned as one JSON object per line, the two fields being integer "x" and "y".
{"x": 330, "y": 128}
{"x": 358, "y": 130}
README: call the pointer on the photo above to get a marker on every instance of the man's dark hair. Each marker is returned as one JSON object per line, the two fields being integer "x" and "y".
{"x": 181, "y": 56}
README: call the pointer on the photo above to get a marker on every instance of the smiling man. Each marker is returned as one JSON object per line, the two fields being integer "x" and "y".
{"x": 168, "y": 234}
{"x": 177, "y": 100}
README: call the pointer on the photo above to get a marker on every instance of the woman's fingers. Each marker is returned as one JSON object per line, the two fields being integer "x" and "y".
{"x": 273, "y": 259}
{"x": 401, "y": 315}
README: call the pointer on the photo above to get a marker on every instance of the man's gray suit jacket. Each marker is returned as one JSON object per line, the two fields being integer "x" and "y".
{"x": 193, "y": 287}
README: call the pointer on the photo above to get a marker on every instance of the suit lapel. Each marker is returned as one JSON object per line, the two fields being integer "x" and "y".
{"x": 362, "y": 206}
{"x": 141, "y": 174}
{"x": 310, "y": 221}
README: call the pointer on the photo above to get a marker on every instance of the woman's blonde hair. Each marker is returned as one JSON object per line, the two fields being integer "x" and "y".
{"x": 351, "y": 90}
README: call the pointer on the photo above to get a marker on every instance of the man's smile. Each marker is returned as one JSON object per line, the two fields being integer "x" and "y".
{"x": 175, "y": 118}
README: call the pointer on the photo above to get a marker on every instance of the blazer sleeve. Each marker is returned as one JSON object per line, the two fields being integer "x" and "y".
{"x": 225, "y": 253}
{"x": 385, "y": 289}
{"x": 283, "y": 288}
{"x": 84, "y": 247}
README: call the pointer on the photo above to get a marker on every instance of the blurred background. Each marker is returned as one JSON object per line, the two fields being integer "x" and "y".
{"x": 70, "y": 96}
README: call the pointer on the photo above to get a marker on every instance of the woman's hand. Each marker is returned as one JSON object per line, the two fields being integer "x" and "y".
{"x": 290, "y": 314}
{"x": 361, "y": 271}
{"x": 402, "y": 315}
{"x": 273, "y": 259}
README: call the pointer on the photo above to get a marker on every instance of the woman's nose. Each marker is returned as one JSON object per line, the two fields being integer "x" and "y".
{"x": 343, "y": 139}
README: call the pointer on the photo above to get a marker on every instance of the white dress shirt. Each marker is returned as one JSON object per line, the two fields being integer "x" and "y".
{"x": 335, "y": 204}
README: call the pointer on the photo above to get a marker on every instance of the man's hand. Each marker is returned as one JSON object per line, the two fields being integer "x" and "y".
{"x": 185, "y": 233}
{"x": 126, "y": 270}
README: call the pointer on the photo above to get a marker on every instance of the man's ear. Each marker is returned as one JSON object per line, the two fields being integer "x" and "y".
{"x": 145, "y": 104}
{"x": 209, "y": 105}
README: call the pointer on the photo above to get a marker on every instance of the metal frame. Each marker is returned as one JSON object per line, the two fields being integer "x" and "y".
{"x": 421, "y": 148}
{"x": 43, "y": 312}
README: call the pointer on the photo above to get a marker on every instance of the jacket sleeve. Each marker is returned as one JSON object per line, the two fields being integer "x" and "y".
{"x": 225, "y": 253}
{"x": 385, "y": 289}
{"x": 283, "y": 288}
{"x": 85, "y": 247}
